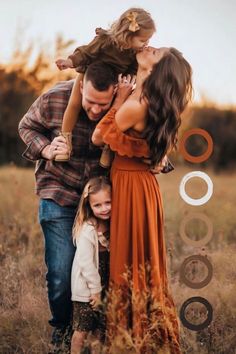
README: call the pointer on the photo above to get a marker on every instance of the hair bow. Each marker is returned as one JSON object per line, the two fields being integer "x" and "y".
{"x": 133, "y": 27}
{"x": 86, "y": 190}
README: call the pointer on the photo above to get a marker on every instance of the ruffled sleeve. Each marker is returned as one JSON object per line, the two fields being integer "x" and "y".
{"x": 120, "y": 142}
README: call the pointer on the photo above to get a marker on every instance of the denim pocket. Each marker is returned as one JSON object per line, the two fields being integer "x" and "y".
{"x": 49, "y": 210}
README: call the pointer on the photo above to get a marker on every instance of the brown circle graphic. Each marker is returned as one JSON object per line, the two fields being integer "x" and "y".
{"x": 202, "y": 283}
{"x": 205, "y": 155}
{"x": 205, "y": 239}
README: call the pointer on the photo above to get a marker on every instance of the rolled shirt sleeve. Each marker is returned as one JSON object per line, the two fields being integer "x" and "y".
{"x": 33, "y": 130}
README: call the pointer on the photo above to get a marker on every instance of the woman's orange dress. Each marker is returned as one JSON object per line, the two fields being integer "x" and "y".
{"x": 139, "y": 301}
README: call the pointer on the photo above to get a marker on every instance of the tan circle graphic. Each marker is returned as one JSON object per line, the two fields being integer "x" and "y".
{"x": 205, "y": 239}
{"x": 205, "y": 155}
{"x": 204, "y": 282}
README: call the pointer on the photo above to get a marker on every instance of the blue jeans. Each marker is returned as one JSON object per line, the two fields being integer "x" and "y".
{"x": 56, "y": 222}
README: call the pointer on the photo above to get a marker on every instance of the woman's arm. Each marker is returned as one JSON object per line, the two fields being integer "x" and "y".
{"x": 124, "y": 89}
{"x": 97, "y": 137}
{"x": 127, "y": 116}
{"x": 128, "y": 113}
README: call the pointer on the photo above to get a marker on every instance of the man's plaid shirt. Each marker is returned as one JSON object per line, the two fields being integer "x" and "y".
{"x": 62, "y": 182}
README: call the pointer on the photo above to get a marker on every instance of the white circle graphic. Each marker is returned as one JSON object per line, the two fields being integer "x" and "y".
{"x": 193, "y": 201}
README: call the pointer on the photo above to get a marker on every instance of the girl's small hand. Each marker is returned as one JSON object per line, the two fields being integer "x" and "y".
{"x": 95, "y": 300}
{"x": 63, "y": 64}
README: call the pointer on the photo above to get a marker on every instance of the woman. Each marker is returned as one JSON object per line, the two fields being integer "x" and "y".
{"x": 141, "y": 306}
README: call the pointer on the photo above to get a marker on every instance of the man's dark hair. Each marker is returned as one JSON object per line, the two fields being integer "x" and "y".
{"x": 101, "y": 75}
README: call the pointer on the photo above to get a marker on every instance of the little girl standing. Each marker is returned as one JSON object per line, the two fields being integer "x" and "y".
{"x": 90, "y": 269}
{"x": 116, "y": 46}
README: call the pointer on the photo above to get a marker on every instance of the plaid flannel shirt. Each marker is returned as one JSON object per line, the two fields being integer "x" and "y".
{"x": 62, "y": 182}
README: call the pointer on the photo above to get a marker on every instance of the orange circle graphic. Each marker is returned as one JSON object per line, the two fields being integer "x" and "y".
{"x": 205, "y": 155}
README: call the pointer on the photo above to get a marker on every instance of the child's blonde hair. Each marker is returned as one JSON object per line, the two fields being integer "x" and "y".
{"x": 84, "y": 211}
{"x": 133, "y": 22}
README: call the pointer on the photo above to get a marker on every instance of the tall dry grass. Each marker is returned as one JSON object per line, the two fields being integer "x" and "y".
{"x": 23, "y": 301}
{"x": 24, "y": 311}
{"x": 220, "y": 336}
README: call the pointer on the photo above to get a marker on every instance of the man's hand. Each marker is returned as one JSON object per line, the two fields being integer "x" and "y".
{"x": 95, "y": 300}
{"x": 57, "y": 146}
{"x": 63, "y": 64}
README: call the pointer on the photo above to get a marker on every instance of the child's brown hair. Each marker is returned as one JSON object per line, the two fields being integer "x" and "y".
{"x": 133, "y": 22}
{"x": 84, "y": 211}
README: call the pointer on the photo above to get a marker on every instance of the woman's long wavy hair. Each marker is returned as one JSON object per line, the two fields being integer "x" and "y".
{"x": 168, "y": 89}
{"x": 84, "y": 212}
{"x": 119, "y": 31}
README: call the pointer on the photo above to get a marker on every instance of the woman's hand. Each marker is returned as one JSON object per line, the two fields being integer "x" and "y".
{"x": 95, "y": 300}
{"x": 124, "y": 89}
{"x": 158, "y": 167}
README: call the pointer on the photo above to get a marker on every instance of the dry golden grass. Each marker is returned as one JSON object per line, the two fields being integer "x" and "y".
{"x": 24, "y": 310}
{"x": 219, "y": 337}
{"x": 23, "y": 301}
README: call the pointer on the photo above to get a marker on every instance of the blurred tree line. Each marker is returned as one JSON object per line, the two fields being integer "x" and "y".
{"x": 22, "y": 83}
{"x": 220, "y": 123}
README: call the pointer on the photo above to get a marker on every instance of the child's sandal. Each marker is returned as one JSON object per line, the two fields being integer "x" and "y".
{"x": 107, "y": 157}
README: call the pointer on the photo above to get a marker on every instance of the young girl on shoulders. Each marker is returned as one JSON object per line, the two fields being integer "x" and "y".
{"x": 116, "y": 46}
{"x": 90, "y": 269}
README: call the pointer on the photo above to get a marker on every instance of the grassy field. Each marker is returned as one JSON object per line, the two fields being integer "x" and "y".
{"x": 23, "y": 301}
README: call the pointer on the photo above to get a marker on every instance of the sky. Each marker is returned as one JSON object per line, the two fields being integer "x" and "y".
{"x": 203, "y": 30}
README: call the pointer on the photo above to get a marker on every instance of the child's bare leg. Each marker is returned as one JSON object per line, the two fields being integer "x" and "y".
{"x": 73, "y": 107}
{"x": 77, "y": 341}
{"x": 95, "y": 342}
{"x": 70, "y": 117}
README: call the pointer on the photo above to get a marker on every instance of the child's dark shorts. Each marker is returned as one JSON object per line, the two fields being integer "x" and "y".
{"x": 84, "y": 317}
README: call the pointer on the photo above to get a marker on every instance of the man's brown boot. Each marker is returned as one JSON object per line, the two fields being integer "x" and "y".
{"x": 65, "y": 157}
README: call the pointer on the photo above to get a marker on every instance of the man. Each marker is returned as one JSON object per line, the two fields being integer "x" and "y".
{"x": 58, "y": 184}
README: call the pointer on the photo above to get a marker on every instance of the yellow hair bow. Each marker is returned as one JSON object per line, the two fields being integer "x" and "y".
{"x": 133, "y": 27}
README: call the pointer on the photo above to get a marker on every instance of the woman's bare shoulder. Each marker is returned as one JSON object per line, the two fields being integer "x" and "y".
{"x": 135, "y": 106}
{"x": 130, "y": 113}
